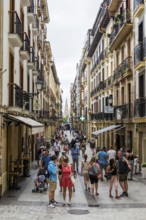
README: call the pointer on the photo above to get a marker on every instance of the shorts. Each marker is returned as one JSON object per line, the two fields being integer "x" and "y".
{"x": 103, "y": 166}
{"x": 123, "y": 177}
{"x": 52, "y": 186}
{"x": 93, "y": 179}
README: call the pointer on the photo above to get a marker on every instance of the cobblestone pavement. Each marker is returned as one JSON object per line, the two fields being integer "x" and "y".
{"x": 23, "y": 204}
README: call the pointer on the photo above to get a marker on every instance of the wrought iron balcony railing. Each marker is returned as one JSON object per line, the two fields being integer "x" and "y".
{"x": 30, "y": 9}
{"x": 123, "y": 18}
{"x": 26, "y": 100}
{"x": 15, "y": 95}
{"x": 31, "y": 52}
{"x": 137, "y": 3}
{"x": 26, "y": 42}
{"x": 125, "y": 66}
{"x": 15, "y": 23}
{"x": 140, "y": 107}
{"x": 102, "y": 116}
{"x": 139, "y": 53}
{"x": 36, "y": 21}
{"x": 123, "y": 111}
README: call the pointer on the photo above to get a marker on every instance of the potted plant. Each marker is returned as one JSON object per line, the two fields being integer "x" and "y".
{"x": 143, "y": 168}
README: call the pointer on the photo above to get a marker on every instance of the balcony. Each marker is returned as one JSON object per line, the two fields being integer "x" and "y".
{"x": 35, "y": 28}
{"x": 139, "y": 55}
{"x": 24, "y": 53}
{"x": 15, "y": 97}
{"x": 39, "y": 8}
{"x": 30, "y": 63}
{"x": 113, "y": 6}
{"x": 140, "y": 107}
{"x": 25, "y": 101}
{"x": 30, "y": 13}
{"x": 121, "y": 30}
{"x": 123, "y": 70}
{"x": 39, "y": 41}
{"x": 138, "y": 7}
{"x": 102, "y": 116}
{"x": 123, "y": 111}
{"x": 25, "y": 3}
{"x": 100, "y": 23}
{"x": 35, "y": 71}
{"x": 109, "y": 83}
{"x": 15, "y": 30}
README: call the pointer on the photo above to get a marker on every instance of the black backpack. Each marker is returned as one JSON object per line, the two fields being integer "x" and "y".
{"x": 123, "y": 167}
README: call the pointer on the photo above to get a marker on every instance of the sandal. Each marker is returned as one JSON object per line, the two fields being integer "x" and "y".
{"x": 117, "y": 197}
{"x": 97, "y": 194}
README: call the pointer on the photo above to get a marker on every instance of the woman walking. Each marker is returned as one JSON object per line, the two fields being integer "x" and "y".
{"x": 67, "y": 171}
{"x": 94, "y": 171}
{"x": 60, "y": 171}
{"x": 84, "y": 171}
{"x": 112, "y": 170}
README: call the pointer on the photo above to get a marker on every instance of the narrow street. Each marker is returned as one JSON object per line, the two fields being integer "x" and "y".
{"x": 23, "y": 204}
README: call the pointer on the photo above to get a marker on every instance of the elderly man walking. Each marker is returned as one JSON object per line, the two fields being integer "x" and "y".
{"x": 123, "y": 168}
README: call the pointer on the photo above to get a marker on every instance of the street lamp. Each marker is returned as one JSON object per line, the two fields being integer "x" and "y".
{"x": 39, "y": 84}
{"x": 110, "y": 100}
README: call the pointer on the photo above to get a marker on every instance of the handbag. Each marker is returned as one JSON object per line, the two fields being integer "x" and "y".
{"x": 72, "y": 177}
{"x": 108, "y": 176}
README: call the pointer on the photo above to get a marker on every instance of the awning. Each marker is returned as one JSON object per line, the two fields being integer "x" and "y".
{"x": 35, "y": 126}
{"x": 105, "y": 129}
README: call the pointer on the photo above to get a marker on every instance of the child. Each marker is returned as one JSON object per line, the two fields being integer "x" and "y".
{"x": 136, "y": 163}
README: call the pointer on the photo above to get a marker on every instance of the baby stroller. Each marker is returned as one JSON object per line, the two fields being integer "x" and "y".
{"x": 39, "y": 184}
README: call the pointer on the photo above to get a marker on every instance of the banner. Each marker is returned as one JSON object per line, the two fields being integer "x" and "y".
{"x": 36, "y": 104}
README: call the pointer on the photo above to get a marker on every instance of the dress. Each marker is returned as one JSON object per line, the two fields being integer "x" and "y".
{"x": 66, "y": 172}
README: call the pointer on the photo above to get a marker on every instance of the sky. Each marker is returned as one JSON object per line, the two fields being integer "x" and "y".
{"x": 67, "y": 29}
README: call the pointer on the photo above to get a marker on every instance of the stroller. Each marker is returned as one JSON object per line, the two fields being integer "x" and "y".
{"x": 40, "y": 181}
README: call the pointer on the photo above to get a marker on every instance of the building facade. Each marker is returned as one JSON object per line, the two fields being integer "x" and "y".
{"x": 29, "y": 86}
{"x": 112, "y": 71}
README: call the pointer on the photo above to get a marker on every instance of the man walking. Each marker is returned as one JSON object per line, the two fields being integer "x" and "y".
{"x": 111, "y": 154}
{"x": 123, "y": 168}
{"x": 75, "y": 152}
{"x": 52, "y": 180}
{"x": 102, "y": 159}
{"x": 56, "y": 147}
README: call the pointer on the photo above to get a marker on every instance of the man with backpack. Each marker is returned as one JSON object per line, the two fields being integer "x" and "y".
{"x": 123, "y": 168}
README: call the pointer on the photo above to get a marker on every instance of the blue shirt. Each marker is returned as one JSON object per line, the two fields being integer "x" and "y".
{"x": 46, "y": 160}
{"x": 102, "y": 157}
{"x": 75, "y": 153}
{"x": 52, "y": 171}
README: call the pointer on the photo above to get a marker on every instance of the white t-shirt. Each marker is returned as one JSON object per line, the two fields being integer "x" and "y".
{"x": 111, "y": 154}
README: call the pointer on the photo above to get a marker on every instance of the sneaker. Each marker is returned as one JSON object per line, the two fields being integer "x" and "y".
{"x": 54, "y": 202}
{"x": 64, "y": 203}
{"x": 51, "y": 205}
{"x": 126, "y": 194}
{"x": 69, "y": 204}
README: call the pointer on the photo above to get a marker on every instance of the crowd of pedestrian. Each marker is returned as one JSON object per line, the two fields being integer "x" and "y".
{"x": 104, "y": 164}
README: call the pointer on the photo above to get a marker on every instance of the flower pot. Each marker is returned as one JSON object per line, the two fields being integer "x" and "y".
{"x": 143, "y": 172}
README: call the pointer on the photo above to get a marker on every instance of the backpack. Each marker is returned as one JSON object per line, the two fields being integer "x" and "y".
{"x": 123, "y": 167}
{"x": 94, "y": 170}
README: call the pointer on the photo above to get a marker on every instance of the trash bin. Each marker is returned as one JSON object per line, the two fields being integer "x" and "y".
{"x": 26, "y": 168}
